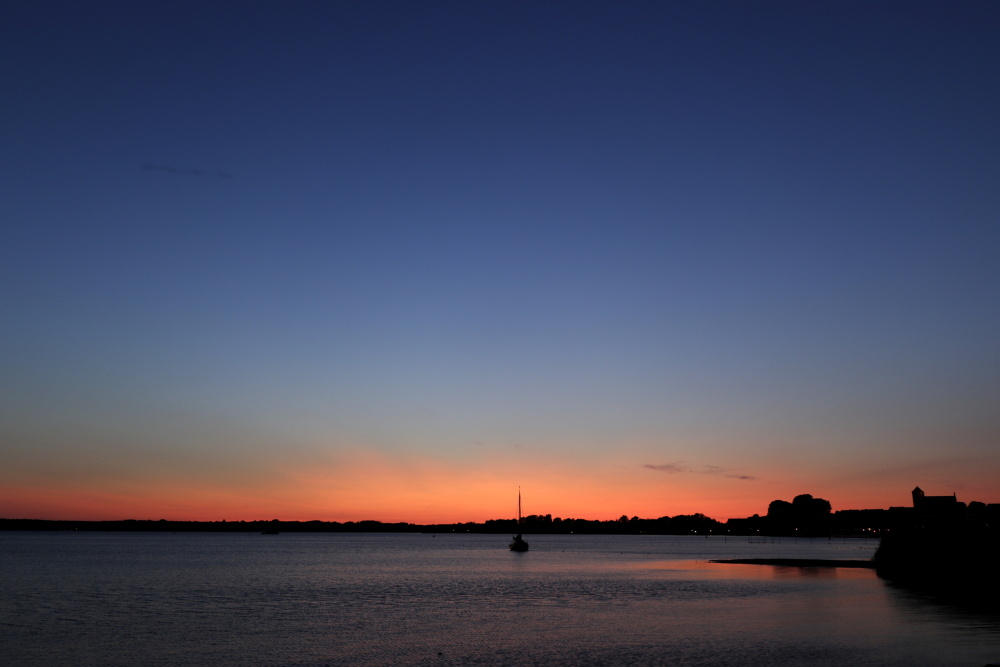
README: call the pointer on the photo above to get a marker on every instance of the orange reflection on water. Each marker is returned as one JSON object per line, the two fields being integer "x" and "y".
{"x": 710, "y": 570}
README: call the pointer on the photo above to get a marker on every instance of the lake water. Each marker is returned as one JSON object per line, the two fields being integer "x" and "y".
{"x": 462, "y": 599}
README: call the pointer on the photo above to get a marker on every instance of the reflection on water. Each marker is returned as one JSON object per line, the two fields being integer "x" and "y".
{"x": 961, "y": 613}
{"x": 132, "y": 599}
{"x": 745, "y": 571}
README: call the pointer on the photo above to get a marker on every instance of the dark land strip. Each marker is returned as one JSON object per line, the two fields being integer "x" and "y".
{"x": 798, "y": 562}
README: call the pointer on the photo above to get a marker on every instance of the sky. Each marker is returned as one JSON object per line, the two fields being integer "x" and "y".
{"x": 395, "y": 260}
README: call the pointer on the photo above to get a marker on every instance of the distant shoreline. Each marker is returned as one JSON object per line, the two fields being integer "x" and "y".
{"x": 799, "y": 562}
{"x": 704, "y": 528}
{"x": 675, "y": 526}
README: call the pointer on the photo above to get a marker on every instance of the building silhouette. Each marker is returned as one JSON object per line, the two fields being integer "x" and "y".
{"x": 926, "y": 511}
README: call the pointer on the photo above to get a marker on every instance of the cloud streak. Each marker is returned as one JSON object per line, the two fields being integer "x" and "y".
{"x": 679, "y": 467}
{"x": 183, "y": 171}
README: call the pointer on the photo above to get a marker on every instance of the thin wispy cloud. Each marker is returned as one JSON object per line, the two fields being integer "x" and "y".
{"x": 669, "y": 468}
{"x": 183, "y": 171}
{"x": 678, "y": 467}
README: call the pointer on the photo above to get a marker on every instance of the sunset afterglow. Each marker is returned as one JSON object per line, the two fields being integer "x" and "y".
{"x": 393, "y": 261}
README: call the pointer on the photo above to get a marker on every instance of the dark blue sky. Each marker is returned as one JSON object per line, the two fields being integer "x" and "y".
{"x": 751, "y": 237}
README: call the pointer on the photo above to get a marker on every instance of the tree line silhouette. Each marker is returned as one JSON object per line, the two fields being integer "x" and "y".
{"x": 678, "y": 525}
{"x": 804, "y": 516}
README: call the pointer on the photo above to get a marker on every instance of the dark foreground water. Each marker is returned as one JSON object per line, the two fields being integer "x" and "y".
{"x": 381, "y": 599}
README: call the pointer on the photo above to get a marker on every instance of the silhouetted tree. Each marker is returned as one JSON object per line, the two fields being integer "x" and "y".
{"x": 807, "y": 506}
{"x": 779, "y": 509}
{"x": 803, "y": 515}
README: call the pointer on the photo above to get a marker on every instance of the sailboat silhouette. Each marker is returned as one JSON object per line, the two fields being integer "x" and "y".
{"x": 518, "y": 543}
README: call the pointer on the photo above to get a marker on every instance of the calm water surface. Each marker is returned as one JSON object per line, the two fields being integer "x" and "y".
{"x": 462, "y": 599}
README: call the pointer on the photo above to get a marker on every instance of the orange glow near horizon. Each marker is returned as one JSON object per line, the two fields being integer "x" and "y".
{"x": 416, "y": 490}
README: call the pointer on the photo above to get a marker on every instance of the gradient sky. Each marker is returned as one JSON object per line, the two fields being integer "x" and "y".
{"x": 390, "y": 260}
